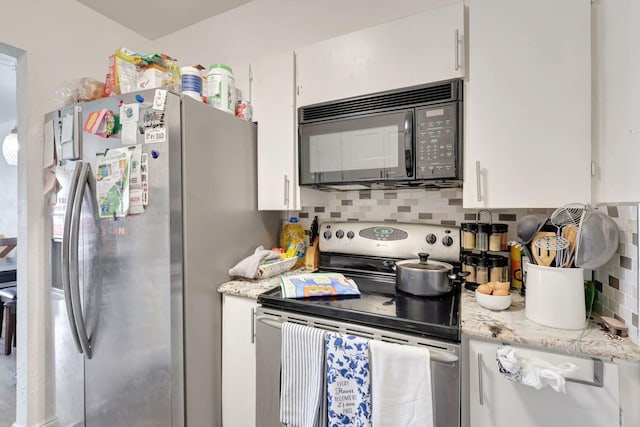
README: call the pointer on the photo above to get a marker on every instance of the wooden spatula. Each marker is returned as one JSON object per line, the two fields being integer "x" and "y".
{"x": 543, "y": 255}
{"x": 570, "y": 232}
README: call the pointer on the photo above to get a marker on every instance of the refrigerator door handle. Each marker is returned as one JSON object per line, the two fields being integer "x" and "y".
{"x": 74, "y": 261}
{"x": 66, "y": 237}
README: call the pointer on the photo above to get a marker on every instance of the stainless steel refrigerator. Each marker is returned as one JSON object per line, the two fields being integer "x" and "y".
{"x": 136, "y": 316}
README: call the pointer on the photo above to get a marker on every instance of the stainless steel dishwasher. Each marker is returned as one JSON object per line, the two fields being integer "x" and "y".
{"x": 445, "y": 366}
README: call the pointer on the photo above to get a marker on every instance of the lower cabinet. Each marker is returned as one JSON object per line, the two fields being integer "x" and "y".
{"x": 494, "y": 401}
{"x": 238, "y": 362}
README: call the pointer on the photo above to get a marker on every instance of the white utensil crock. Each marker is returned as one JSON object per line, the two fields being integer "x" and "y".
{"x": 555, "y": 296}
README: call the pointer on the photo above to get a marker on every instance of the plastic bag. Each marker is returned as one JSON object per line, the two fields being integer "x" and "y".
{"x": 78, "y": 90}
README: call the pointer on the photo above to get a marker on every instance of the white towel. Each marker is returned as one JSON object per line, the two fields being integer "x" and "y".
{"x": 248, "y": 267}
{"x": 400, "y": 385}
{"x": 302, "y": 377}
{"x": 348, "y": 381}
{"x": 532, "y": 371}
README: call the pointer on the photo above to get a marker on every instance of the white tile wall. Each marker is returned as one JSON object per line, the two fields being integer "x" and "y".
{"x": 617, "y": 281}
{"x": 429, "y": 206}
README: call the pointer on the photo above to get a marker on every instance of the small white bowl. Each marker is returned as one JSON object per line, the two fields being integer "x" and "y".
{"x": 493, "y": 302}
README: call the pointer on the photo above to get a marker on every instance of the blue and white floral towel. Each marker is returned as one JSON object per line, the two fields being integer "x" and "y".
{"x": 348, "y": 381}
{"x": 302, "y": 377}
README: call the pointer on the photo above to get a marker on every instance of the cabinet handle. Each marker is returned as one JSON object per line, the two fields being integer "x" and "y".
{"x": 408, "y": 144}
{"x": 478, "y": 183}
{"x": 480, "y": 392}
{"x": 598, "y": 375}
{"x": 286, "y": 190}
{"x": 253, "y": 325}
{"x": 457, "y": 50}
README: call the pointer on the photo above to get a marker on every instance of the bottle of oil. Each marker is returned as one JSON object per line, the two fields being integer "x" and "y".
{"x": 292, "y": 240}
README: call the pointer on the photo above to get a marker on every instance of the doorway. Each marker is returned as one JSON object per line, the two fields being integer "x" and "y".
{"x": 8, "y": 231}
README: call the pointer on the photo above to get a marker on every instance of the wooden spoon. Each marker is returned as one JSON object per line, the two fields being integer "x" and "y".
{"x": 543, "y": 255}
{"x": 570, "y": 232}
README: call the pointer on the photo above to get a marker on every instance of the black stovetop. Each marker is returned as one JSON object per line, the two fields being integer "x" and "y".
{"x": 379, "y": 306}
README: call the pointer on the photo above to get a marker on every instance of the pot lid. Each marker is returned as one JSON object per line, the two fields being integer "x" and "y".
{"x": 424, "y": 264}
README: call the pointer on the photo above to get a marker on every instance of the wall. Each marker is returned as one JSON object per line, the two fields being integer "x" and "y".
{"x": 617, "y": 281}
{"x": 8, "y": 195}
{"x": 53, "y": 41}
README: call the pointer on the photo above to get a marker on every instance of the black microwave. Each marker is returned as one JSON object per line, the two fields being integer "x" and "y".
{"x": 401, "y": 138}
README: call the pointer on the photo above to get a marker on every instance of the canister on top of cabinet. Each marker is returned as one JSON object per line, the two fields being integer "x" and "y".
{"x": 221, "y": 88}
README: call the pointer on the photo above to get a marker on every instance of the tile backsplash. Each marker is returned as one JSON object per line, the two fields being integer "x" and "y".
{"x": 617, "y": 281}
{"x": 428, "y": 206}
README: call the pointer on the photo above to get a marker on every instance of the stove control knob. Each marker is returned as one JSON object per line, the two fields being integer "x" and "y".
{"x": 447, "y": 241}
{"x": 350, "y": 234}
{"x": 339, "y": 234}
{"x": 431, "y": 238}
{"x": 327, "y": 234}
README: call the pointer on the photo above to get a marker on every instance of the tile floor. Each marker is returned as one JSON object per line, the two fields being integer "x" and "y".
{"x": 7, "y": 387}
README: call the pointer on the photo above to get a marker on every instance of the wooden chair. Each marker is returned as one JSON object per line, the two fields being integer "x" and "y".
{"x": 9, "y": 297}
{"x": 7, "y": 244}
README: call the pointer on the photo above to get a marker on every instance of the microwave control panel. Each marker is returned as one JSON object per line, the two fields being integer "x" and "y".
{"x": 436, "y": 142}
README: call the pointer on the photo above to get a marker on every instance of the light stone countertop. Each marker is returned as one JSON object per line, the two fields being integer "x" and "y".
{"x": 252, "y": 288}
{"x": 249, "y": 288}
{"x": 508, "y": 326}
{"x": 512, "y": 326}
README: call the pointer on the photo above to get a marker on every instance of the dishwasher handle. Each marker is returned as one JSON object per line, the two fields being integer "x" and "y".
{"x": 435, "y": 355}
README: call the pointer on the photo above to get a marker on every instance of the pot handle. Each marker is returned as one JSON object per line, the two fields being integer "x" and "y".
{"x": 391, "y": 265}
{"x": 459, "y": 276}
{"x": 424, "y": 257}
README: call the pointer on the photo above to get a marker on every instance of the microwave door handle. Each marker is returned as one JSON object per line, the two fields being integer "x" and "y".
{"x": 408, "y": 143}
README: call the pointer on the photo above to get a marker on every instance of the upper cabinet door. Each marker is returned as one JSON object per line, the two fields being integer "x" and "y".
{"x": 274, "y": 109}
{"x": 423, "y": 48}
{"x": 527, "y": 104}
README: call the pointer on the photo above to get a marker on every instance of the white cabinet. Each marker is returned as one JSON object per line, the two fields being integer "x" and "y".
{"x": 238, "y": 362}
{"x": 422, "y": 48}
{"x": 494, "y": 401}
{"x": 273, "y": 88}
{"x": 527, "y": 104}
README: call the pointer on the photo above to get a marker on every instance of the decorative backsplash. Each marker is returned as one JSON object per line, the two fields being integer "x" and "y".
{"x": 617, "y": 281}
{"x": 427, "y": 206}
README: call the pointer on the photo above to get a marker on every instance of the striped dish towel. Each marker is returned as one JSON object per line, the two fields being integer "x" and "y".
{"x": 302, "y": 376}
{"x": 348, "y": 381}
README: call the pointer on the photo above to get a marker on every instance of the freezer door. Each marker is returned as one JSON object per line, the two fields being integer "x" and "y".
{"x": 69, "y": 365}
{"x": 126, "y": 285}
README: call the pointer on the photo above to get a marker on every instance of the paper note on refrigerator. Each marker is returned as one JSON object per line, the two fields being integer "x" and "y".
{"x": 129, "y": 133}
{"x": 66, "y": 134}
{"x": 112, "y": 182}
{"x": 48, "y": 156}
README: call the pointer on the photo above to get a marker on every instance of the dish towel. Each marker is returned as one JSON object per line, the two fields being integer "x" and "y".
{"x": 400, "y": 385}
{"x": 248, "y": 267}
{"x": 302, "y": 376}
{"x": 348, "y": 381}
{"x": 532, "y": 371}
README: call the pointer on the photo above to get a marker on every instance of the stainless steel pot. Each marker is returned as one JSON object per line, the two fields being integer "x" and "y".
{"x": 426, "y": 278}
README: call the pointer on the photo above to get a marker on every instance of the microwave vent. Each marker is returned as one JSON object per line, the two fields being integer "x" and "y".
{"x": 420, "y": 95}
